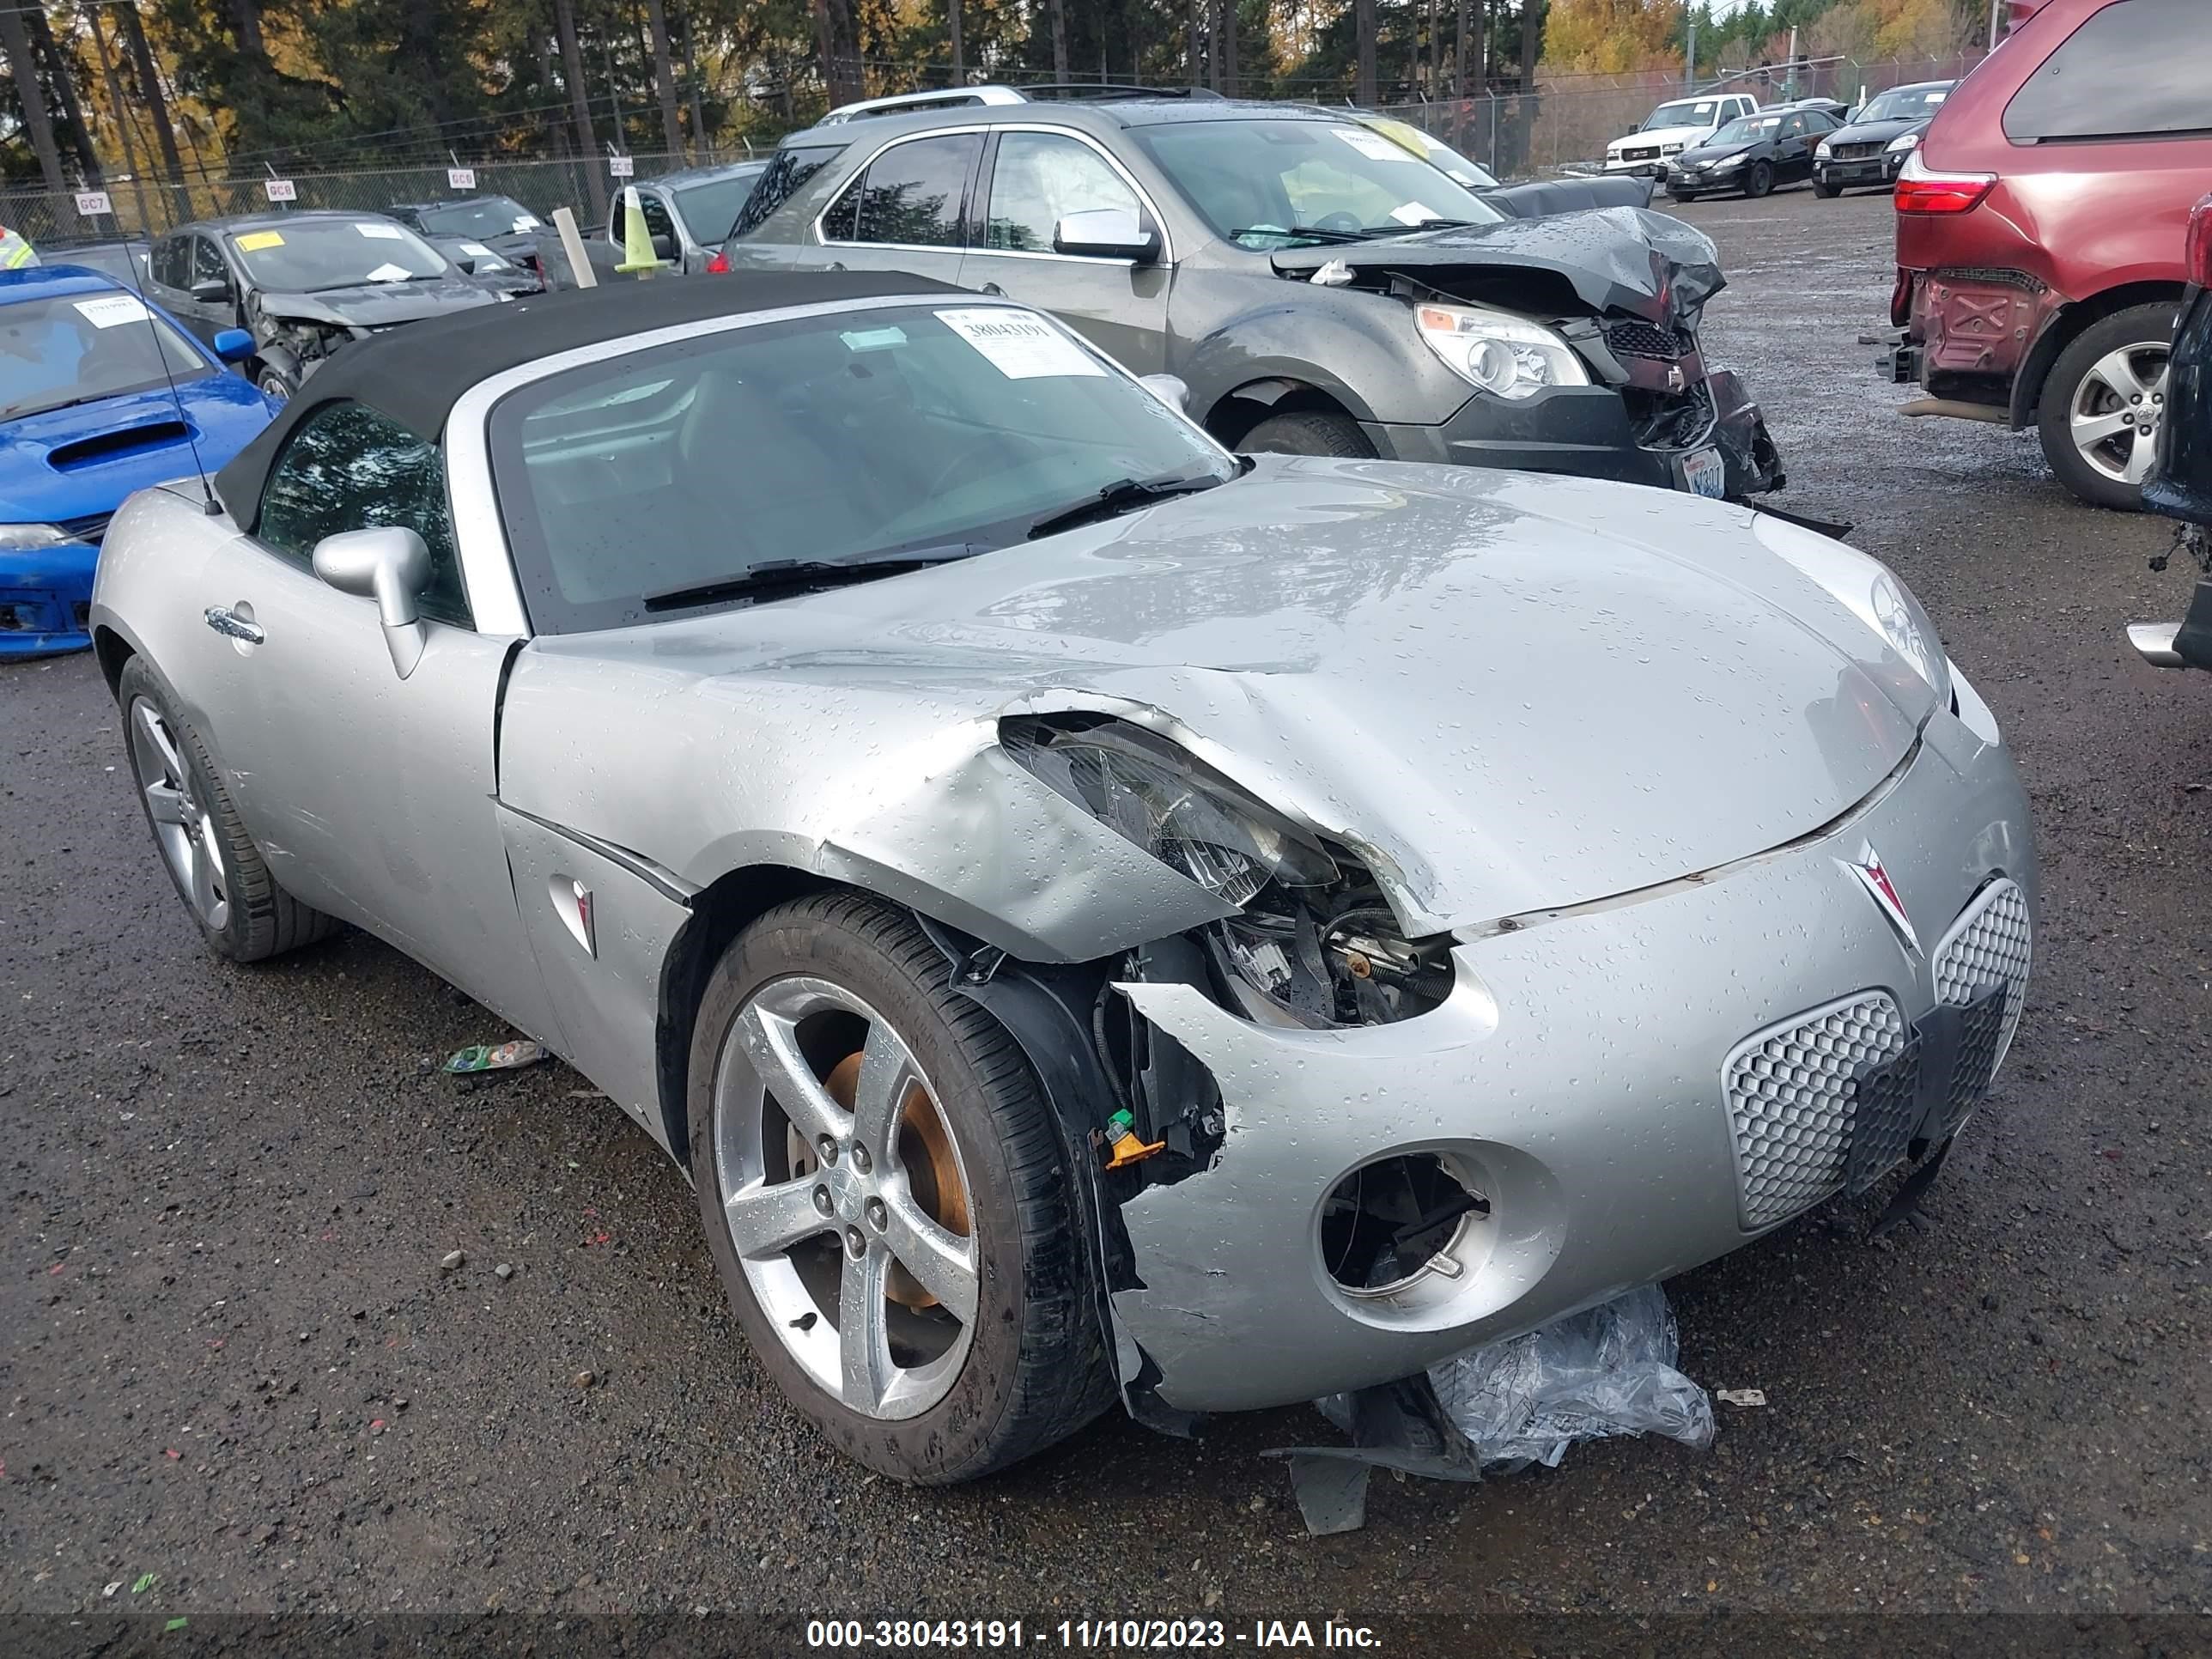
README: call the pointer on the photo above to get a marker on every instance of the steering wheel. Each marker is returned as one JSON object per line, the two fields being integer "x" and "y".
{"x": 1339, "y": 221}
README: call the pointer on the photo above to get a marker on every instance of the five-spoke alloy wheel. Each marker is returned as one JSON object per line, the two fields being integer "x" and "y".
{"x": 2104, "y": 402}
{"x": 886, "y": 1196}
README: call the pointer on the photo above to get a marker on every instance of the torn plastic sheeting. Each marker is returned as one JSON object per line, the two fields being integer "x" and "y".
{"x": 1608, "y": 1370}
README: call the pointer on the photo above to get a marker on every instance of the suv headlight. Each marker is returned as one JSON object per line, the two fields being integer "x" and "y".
{"x": 1821, "y": 148}
{"x": 1672, "y": 150}
{"x": 1903, "y": 142}
{"x": 1497, "y": 351}
{"x": 31, "y": 535}
{"x": 1867, "y": 588}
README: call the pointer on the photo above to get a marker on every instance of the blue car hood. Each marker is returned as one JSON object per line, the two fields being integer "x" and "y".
{"x": 81, "y": 462}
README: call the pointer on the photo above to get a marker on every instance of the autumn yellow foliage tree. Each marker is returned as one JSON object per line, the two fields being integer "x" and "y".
{"x": 1611, "y": 36}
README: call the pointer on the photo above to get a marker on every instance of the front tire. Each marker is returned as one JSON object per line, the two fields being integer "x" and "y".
{"x": 276, "y": 383}
{"x": 1759, "y": 181}
{"x": 1826, "y": 192}
{"x": 886, "y": 1200}
{"x": 227, "y": 887}
{"x": 1309, "y": 432}
{"x": 2102, "y": 403}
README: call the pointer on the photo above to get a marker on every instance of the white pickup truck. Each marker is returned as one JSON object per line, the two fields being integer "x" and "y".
{"x": 1672, "y": 128}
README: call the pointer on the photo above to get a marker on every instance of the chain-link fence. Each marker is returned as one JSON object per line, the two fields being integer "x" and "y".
{"x": 147, "y": 207}
{"x": 1515, "y": 135}
{"x": 1518, "y": 135}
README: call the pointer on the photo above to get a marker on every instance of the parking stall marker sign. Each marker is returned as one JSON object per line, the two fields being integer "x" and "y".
{"x": 460, "y": 178}
{"x": 90, "y": 202}
{"x": 280, "y": 190}
{"x": 622, "y": 166}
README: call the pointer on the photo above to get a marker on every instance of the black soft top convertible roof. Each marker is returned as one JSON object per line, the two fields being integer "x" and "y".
{"x": 417, "y": 373}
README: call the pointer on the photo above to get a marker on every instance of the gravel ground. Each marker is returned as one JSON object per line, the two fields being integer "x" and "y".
{"x": 234, "y": 1363}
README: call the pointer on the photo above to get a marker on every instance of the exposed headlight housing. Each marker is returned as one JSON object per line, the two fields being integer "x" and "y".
{"x": 33, "y": 535}
{"x": 1313, "y": 943}
{"x": 1870, "y": 589}
{"x": 1501, "y": 353}
{"x": 1727, "y": 163}
{"x": 1903, "y": 142}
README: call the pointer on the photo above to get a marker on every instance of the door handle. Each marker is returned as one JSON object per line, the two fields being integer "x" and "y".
{"x": 221, "y": 618}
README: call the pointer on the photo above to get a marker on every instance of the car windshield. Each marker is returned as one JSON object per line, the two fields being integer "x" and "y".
{"x": 1905, "y": 103}
{"x": 78, "y": 348}
{"x": 1271, "y": 184}
{"x": 1439, "y": 154}
{"x": 709, "y": 208}
{"x": 1689, "y": 112}
{"x": 488, "y": 216}
{"x": 1749, "y": 130}
{"x": 306, "y": 256}
{"x": 836, "y": 440}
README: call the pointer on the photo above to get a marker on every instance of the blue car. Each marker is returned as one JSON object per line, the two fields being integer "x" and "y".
{"x": 88, "y": 415}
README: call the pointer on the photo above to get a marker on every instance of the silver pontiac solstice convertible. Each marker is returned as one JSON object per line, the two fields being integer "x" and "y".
{"x": 1095, "y": 917}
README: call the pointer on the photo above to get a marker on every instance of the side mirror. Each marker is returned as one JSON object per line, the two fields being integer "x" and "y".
{"x": 1107, "y": 233}
{"x": 390, "y": 565}
{"x": 234, "y": 345}
{"x": 209, "y": 290}
{"x": 664, "y": 247}
{"x": 1169, "y": 389}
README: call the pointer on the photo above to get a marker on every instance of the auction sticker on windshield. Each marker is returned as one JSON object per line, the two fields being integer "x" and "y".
{"x": 111, "y": 311}
{"x": 1021, "y": 347}
{"x": 381, "y": 233}
{"x": 1373, "y": 145}
{"x": 254, "y": 241}
{"x": 389, "y": 273}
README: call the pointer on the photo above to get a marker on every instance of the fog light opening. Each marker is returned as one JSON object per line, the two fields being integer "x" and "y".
{"x": 1396, "y": 1220}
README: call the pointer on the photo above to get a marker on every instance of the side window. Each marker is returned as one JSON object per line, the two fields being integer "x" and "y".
{"x": 207, "y": 262}
{"x": 1038, "y": 179}
{"x": 913, "y": 193}
{"x": 786, "y": 175}
{"x": 2135, "y": 68}
{"x": 656, "y": 217}
{"x": 348, "y": 467}
{"x": 1793, "y": 128}
{"x": 171, "y": 265}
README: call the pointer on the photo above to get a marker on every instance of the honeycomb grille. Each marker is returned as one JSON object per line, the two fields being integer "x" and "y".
{"x": 1991, "y": 945}
{"x": 1636, "y": 339}
{"x": 1791, "y": 1094}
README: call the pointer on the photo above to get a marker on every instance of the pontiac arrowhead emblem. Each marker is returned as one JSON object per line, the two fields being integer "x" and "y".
{"x": 1867, "y": 867}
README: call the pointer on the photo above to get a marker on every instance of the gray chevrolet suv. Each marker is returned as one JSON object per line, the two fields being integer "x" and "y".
{"x": 1318, "y": 288}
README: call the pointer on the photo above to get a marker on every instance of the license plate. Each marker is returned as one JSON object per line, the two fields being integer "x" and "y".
{"x": 1704, "y": 473}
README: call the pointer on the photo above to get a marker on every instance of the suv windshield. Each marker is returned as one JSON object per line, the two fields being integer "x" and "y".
{"x": 76, "y": 348}
{"x": 708, "y": 208}
{"x": 488, "y": 216}
{"x": 1905, "y": 104}
{"x": 1749, "y": 130}
{"x": 306, "y": 256}
{"x": 934, "y": 430}
{"x": 1691, "y": 112}
{"x": 1270, "y": 183}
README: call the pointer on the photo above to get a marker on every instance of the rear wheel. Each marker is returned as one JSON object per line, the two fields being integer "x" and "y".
{"x": 2101, "y": 407}
{"x": 1309, "y": 432}
{"x": 1760, "y": 180}
{"x": 218, "y": 871}
{"x": 885, "y": 1198}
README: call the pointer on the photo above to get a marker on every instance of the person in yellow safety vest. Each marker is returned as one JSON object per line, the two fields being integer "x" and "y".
{"x": 15, "y": 250}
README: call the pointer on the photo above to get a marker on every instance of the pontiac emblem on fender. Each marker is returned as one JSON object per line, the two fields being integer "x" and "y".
{"x": 1867, "y": 866}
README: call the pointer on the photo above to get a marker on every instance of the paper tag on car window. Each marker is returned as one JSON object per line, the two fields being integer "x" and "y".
{"x": 1373, "y": 145}
{"x": 1021, "y": 347}
{"x": 388, "y": 274}
{"x": 1414, "y": 214}
{"x": 382, "y": 232}
{"x": 1935, "y": 97}
{"x": 111, "y": 311}
{"x": 254, "y": 241}
{"x": 873, "y": 339}
{"x": 475, "y": 249}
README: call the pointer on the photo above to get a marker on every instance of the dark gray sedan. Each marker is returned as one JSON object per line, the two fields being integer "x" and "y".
{"x": 1320, "y": 288}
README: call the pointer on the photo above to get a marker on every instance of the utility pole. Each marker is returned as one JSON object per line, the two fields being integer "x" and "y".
{"x": 1789, "y": 85}
{"x": 1690, "y": 60}
{"x": 959, "y": 56}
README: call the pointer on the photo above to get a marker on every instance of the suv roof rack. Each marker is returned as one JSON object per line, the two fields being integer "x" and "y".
{"x": 904, "y": 103}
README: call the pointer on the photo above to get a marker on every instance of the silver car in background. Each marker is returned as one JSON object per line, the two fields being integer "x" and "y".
{"x": 1095, "y": 917}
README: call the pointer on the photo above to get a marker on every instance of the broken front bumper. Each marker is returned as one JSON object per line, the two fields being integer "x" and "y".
{"x": 46, "y": 598}
{"x": 1607, "y": 1075}
{"x": 1586, "y": 431}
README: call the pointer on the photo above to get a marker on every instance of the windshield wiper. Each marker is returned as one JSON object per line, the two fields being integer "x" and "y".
{"x": 780, "y": 576}
{"x": 1314, "y": 231}
{"x": 1121, "y": 496}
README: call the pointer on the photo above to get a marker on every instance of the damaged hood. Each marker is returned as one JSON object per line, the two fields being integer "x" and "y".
{"x": 1618, "y": 258}
{"x": 377, "y": 305}
{"x": 1513, "y": 692}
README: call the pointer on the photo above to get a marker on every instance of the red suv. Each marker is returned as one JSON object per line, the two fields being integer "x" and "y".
{"x": 2039, "y": 230}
